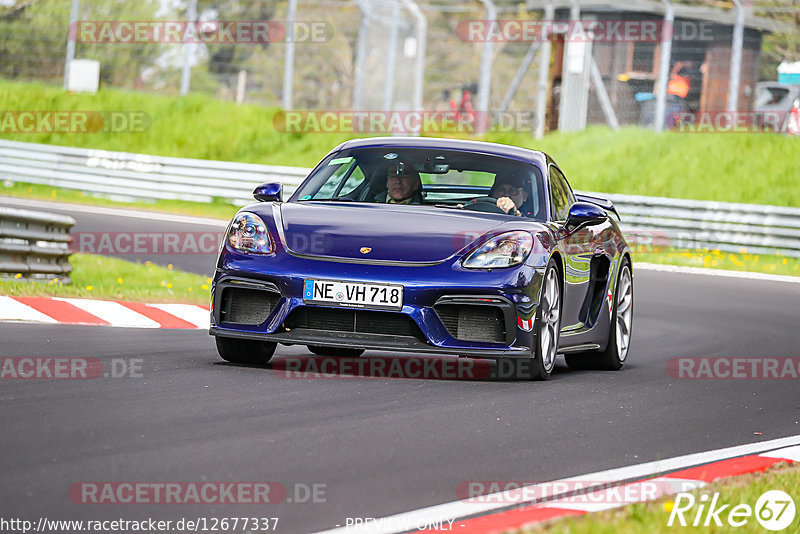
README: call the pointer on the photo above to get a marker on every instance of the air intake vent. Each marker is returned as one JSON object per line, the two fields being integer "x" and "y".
{"x": 473, "y": 323}
{"x": 247, "y": 306}
{"x": 355, "y": 321}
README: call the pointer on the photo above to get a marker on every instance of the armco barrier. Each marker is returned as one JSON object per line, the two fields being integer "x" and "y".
{"x": 34, "y": 244}
{"x": 699, "y": 224}
{"x": 139, "y": 176}
{"x": 750, "y": 228}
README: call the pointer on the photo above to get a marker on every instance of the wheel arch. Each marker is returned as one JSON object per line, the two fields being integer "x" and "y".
{"x": 560, "y": 266}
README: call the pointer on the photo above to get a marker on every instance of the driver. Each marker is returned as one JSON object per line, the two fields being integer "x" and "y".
{"x": 510, "y": 193}
{"x": 404, "y": 188}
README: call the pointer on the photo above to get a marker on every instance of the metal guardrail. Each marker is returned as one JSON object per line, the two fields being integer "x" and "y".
{"x": 35, "y": 244}
{"x": 138, "y": 176}
{"x": 698, "y": 224}
{"x": 750, "y": 228}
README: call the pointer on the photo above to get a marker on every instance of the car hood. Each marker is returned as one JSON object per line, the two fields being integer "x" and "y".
{"x": 380, "y": 232}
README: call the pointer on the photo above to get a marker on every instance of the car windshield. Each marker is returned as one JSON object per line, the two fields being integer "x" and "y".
{"x": 416, "y": 176}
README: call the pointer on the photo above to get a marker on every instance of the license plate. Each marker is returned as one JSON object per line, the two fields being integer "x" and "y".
{"x": 353, "y": 294}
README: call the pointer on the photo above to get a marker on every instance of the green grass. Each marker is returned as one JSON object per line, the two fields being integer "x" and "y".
{"x": 716, "y": 259}
{"x": 756, "y": 168}
{"x": 191, "y": 127}
{"x": 101, "y": 277}
{"x": 753, "y": 168}
{"x": 652, "y": 517}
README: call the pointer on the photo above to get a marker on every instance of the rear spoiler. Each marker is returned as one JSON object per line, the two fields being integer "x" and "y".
{"x": 598, "y": 201}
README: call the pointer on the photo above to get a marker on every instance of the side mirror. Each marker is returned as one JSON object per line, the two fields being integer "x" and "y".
{"x": 269, "y": 192}
{"x": 584, "y": 213}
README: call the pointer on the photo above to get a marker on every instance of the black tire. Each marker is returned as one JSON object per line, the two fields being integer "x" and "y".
{"x": 246, "y": 351}
{"x": 612, "y": 358}
{"x": 542, "y": 362}
{"x": 339, "y": 352}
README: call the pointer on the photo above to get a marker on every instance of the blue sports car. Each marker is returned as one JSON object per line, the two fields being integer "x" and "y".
{"x": 440, "y": 246}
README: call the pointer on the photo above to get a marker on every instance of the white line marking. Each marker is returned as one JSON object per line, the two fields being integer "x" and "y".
{"x": 113, "y": 313}
{"x": 789, "y": 453}
{"x": 190, "y": 313}
{"x": 716, "y": 272}
{"x": 643, "y": 491}
{"x": 587, "y": 507}
{"x": 12, "y": 310}
{"x": 457, "y": 509}
{"x": 118, "y": 212}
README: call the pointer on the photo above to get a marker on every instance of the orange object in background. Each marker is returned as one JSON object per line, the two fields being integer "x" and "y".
{"x": 678, "y": 86}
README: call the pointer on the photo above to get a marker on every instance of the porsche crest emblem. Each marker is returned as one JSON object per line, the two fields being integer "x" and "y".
{"x": 366, "y": 250}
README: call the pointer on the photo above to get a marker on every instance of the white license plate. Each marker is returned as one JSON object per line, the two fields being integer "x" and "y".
{"x": 353, "y": 294}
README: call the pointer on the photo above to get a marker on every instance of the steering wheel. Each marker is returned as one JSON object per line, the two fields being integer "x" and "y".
{"x": 484, "y": 204}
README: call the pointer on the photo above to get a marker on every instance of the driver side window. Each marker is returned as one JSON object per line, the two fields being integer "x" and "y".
{"x": 344, "y": 178}
{"x": 561, "y": 197}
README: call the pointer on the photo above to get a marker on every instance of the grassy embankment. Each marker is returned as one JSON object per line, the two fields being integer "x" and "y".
{"x": 652, "y": 517}
{"x": 100, "y": 277}
{"x": 754, "y": 168}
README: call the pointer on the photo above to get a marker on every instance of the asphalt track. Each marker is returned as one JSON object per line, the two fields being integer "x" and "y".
{"x": 384, "y": 446}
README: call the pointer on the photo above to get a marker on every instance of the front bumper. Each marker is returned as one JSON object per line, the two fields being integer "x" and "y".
{"x": 514, "y": 293}
{"x": 369, "y": 342}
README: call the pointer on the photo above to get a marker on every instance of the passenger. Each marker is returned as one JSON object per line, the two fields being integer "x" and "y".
{"x": 510, "y": 193}
{"x": 405, "y": 188}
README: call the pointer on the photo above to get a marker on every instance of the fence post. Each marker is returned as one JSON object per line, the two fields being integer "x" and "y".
{"x": 544, "y": 75}
{"x": 73, "y": 23}
{"x": 575, "y": 78}
{"x": 419, "y": 67}
{"x": 485, "y": 80}
{"x": 188, "y": 50}
{"x": 391, "y": 58}
{"x": 241, "y": 87}
{"x": 361, "y": 54}
{"x": 288, "y": 62}
{"x": 736, "y": 57}
{"x": 663, "y": 67}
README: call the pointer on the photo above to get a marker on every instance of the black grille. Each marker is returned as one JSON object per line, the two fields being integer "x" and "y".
{"x": 473, "y": 323}
{"x": 356, "y": 321}
{"x": 246, "y": 306}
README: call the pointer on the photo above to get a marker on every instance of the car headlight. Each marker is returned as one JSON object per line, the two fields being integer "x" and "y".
{"x": 248, "y": 233}
{"x": 504, "y": 250}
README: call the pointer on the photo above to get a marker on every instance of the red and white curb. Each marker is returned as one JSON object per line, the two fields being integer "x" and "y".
{"x": 493, "y": 514}
{"x": 56, "y": 310}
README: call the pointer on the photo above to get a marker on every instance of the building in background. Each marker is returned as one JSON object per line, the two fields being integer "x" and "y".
{"x": 701, "y": 44}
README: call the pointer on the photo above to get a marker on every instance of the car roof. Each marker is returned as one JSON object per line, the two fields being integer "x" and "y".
{"x": 494, "y": 149}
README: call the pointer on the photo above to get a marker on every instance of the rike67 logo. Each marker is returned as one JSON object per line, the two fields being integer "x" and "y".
{"x": 774, "y": 510}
